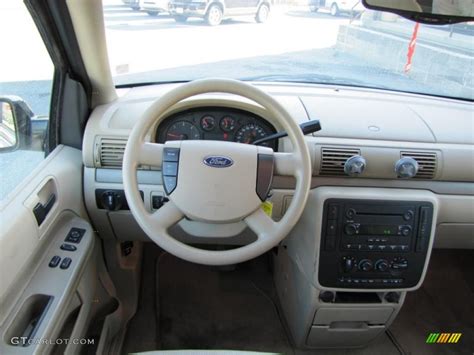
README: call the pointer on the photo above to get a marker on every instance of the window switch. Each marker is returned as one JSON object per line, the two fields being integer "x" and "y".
{"x": 68, "y": 247}
{"x": 65, "y": 264}
{"x": 54, "y": 261}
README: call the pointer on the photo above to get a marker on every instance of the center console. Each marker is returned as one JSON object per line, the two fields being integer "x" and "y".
{"x": 344, "y": 271}
{"x": 374, "y": 244}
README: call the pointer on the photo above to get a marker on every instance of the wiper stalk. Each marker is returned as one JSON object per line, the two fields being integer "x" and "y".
{"x": 306, "y": 127}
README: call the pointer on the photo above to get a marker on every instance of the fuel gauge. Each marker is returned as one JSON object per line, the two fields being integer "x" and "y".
{"x": 208, "y": 123}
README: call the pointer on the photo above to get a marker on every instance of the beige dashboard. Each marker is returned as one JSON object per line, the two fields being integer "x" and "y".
{"x": 380, "y": 126}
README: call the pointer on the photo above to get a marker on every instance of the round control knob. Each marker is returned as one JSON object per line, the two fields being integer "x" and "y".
{"x": 406, "y": 168}
{"x": 326, "y": 296}
{"x": 351, "y": 229}
{"x": 355, "y": 165}
{"x": 111, "y": 201}
{"x": 365, "y": 265}
{"x": 408, "y": 215}
{"x": 405, "y": 230}
{"x": 381, "y": 265}
{"x": 350, "y": 213}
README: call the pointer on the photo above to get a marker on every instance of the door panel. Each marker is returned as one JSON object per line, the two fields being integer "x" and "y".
{"x": 35, "y": 298}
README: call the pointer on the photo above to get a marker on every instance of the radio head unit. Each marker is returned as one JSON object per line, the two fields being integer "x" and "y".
{"x": 374, "y": 244}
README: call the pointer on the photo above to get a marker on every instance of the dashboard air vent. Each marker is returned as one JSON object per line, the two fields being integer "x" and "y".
{"x": 110, "y": 151}
{"x": 333, "y": 160}
{"x": 427, "y": 162}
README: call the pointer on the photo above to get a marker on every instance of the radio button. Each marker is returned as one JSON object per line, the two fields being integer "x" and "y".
{"x": 405, "y": 230}
{"x": 331, "y": 228}
{"x": 350, "y": 213}
{"x": 381, "y": 247}
{"x": 408, "y": 215}
{"x": 351, "y": 229}
{"x": 393, "y": 247}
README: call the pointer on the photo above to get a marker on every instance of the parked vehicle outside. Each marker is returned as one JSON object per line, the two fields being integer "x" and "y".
{"x": 133, "y": 4}
{"x": 337, "y": 7}
{"x": 155, "y": 7}
{"x": 214, "y": 11}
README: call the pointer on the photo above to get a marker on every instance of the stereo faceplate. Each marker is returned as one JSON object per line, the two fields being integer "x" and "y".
{"x": 374, "y": 244}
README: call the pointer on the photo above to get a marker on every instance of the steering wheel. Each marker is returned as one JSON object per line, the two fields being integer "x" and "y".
{"x": 215, "y": 181}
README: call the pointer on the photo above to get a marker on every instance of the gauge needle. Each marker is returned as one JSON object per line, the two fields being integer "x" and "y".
{"x": 174, "y": 135}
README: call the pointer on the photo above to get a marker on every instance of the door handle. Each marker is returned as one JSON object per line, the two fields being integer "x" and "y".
{"x": 41, "y": 210}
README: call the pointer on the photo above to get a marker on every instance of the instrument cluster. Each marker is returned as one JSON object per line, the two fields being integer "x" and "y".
{"x": 214, "y": 123}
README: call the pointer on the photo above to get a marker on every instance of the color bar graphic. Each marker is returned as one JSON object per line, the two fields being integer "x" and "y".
{"x": 443, "y": 338}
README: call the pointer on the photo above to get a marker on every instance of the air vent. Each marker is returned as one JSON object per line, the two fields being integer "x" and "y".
{"x": 110, "y": 152}
{"x": 427, "y": 162}
{"x": 333, "y": 160}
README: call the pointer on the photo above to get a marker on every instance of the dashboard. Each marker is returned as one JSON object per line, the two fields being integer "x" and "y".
{"x": 381, "y": 127}
{"x": 213, "y": 123}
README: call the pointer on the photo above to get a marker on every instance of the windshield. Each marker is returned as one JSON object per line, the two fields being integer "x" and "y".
{"x": 315, "y": 41}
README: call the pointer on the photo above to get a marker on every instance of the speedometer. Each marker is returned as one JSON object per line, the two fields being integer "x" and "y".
{"x": 182, "y": 130}
{"x": 249, "y": 133}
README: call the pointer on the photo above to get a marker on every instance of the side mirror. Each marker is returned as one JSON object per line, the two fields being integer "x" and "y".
{"x": 434, "y": 12}
{"x": 9, "y": 137}
{"x": 19, "y": 127}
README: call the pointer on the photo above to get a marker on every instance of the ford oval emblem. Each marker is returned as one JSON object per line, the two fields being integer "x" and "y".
{"x": 217, "y": 161}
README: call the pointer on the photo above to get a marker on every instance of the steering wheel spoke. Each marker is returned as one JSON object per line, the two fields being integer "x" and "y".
{"x": 261, "y": 224}
{"x": 165, "y": 217}
{"x": 285, "y": 164}
{"x": 150, "y": 154}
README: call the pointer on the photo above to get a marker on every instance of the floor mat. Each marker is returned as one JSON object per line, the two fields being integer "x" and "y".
{"x": 205, "y": 307}
{"x": 189, "y": 306}
{"x": 444, "y": 304}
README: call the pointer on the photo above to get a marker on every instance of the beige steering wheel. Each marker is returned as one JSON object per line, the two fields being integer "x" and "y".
{"x": 214, "y": 181}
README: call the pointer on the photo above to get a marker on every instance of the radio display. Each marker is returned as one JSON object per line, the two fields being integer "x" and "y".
{"x": 380, "y": 230}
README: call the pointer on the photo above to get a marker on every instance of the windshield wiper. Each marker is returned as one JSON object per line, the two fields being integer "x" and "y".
{"x": 306, "y": 127}
{"x": 312, "y": 78}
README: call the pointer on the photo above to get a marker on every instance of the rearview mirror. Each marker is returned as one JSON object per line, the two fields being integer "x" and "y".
{"x": 8, "y": 127}
{"x": 435, "y": 12}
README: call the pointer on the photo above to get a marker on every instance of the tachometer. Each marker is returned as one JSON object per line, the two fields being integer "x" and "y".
{"x": 182, "y": 130}
{"x": 250, "y": 133}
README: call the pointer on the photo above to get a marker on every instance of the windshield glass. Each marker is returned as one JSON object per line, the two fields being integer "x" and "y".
{"x": 316, "y": 41}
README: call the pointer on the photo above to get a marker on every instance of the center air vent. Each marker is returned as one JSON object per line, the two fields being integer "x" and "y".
{"x": 333, "y": 160}
{"x": 427, "y": 162}
{"x": 110, "y": 151}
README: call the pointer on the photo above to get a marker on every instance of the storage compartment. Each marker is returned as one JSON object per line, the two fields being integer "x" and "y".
{"x": 28, "y": 319}
{"x": 357, "y": 297}
{"x": 367, "y": 315}
{"x": 343, "y": 335}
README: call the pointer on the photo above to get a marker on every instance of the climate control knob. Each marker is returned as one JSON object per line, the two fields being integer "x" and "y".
{"x": 365, "y": 265}
{"x": 382, "y": 265}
